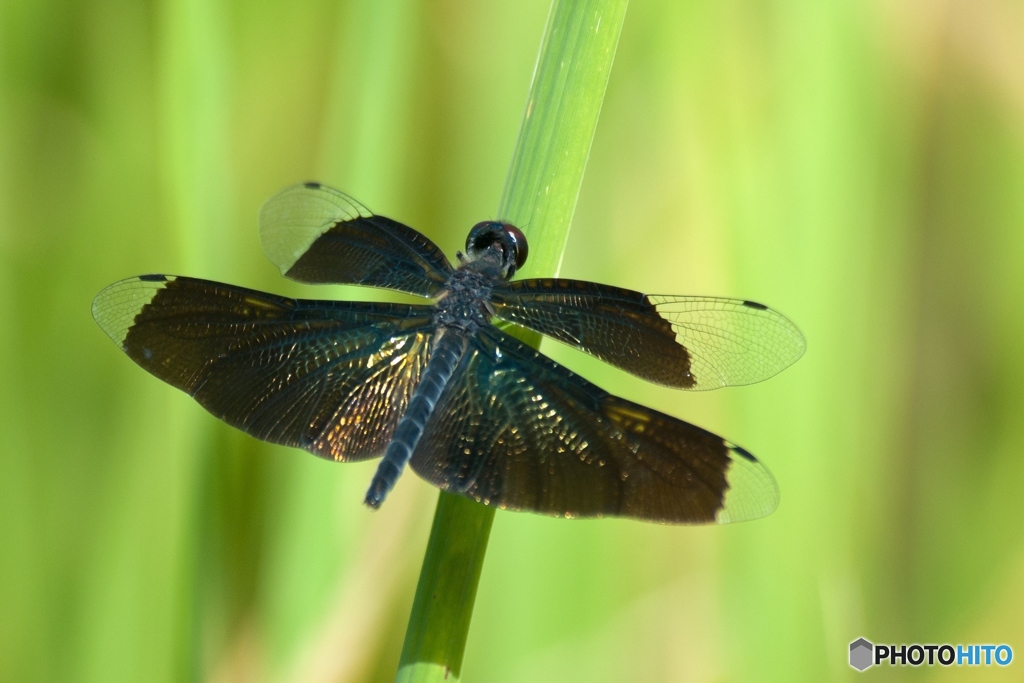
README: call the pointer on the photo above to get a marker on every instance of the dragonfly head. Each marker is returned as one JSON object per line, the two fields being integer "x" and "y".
{"x": 501, "y": 242}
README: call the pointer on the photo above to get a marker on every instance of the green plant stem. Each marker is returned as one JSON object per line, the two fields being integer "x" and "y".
{"x": 540, "y": 195}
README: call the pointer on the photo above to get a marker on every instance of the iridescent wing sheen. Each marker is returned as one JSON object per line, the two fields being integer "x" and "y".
{"x": 516, "y": 430}
{"x": 687, "y": 342}
{"x": 319, "y": 235}
{"x": 330, "y": 377}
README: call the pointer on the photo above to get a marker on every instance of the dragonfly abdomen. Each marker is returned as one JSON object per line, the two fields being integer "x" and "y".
{"x": 448, "y": 350}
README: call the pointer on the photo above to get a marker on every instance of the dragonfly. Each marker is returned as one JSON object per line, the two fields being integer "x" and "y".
{"x": 442, "y": 387}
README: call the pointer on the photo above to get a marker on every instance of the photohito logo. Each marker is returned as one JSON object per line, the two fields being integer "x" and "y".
{"x": 864, "y": 654}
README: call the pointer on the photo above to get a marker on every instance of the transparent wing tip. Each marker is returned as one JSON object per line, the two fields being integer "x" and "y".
{"x": 752, "y": 492}
{"x": 291, "y": 220}
{"x": 116, "y": 306}
{"x": 732, "y": 342}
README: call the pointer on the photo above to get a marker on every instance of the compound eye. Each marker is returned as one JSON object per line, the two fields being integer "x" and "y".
{"x": 519, "y": 245}
{"x": 481, "y": 237}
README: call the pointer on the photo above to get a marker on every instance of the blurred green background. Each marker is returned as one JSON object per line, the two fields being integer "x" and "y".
{"x": 857, "y": 165}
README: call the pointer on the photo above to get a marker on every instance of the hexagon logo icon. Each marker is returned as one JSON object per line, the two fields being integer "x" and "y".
{"x": 861, "y": 654}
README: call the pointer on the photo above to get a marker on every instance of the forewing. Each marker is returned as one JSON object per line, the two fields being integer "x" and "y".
{"x": 617, "y": 325}
{"x": 516, "y": 430}
{"x": 330, "y": 377}
{"x": 319, "y": 235}
{"x": 677, "y": 341}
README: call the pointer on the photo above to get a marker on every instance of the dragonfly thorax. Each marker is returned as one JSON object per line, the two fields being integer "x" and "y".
{"x": 463, "y": 304}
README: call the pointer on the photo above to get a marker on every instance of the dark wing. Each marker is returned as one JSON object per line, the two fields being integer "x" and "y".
{"x": 330, "y": 377}
{"x": 688, "y": 342}
{"x": 318, "y": 235}
{"x": 516, "y": 430}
